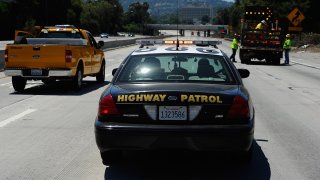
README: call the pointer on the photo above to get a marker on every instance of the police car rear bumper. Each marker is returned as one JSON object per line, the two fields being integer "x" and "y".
{"x": 119, "y": 136}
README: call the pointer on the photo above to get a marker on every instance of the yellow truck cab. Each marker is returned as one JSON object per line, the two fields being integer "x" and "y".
{"x": 56, "y": 53}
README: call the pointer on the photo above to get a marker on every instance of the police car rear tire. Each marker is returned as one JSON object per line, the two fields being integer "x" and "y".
{"x": 111, "y": 157}
{"x": 18, "y": 83}
{"x": 246, "y": 156}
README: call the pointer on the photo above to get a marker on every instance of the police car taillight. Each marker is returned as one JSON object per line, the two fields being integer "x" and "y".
{"x": 6, "y": 55}
{"x": 239, "y": 109}
{"x": 68, "y": 56}
{"x": 107, "y": 106}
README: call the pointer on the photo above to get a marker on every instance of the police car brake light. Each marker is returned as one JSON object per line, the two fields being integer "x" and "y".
{"x": 239, "y": 109}
{"x": 107, "y": 106}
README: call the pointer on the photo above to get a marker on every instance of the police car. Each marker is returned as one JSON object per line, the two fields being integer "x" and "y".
{"x": 177, "y": 95}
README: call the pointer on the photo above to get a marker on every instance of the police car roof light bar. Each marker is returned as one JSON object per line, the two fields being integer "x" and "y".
{"x": 151, "y": 42}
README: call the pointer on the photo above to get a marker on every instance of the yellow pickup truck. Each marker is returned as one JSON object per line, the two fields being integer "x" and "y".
{"x": 56, "y": 53}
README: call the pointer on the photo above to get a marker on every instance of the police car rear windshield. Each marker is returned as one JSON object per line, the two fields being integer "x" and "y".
{"x": 173, "y": 67}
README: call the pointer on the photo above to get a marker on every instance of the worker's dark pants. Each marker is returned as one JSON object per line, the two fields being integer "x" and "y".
{"x": 233, "y": 55}
{"x": 286, "y": 56}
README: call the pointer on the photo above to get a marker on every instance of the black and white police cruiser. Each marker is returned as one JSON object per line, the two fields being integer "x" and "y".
{"x": 175, "y": 94}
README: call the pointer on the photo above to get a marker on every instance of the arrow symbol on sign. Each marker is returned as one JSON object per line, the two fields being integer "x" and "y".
{"x": 296, "y": 17}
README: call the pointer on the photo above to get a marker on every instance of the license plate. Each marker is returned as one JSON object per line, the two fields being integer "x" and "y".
{"x": 172, "y": 113}
{"x": 36, "y": 72}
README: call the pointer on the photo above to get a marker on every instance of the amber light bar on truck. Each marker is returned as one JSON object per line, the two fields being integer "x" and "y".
{"x": 258, "y": 13}
{"x": 145, "y": 42}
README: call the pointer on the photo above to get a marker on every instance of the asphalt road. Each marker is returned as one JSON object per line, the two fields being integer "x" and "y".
{"x": 47, "y": 131}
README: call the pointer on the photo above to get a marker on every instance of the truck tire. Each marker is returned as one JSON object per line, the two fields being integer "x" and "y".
{"x": 77, "y": 80}
{"x": 269, "y": 61}
{"x": 245, "y": 61}
{"x": 276, "y": 61}
{"x": 18, "y": 83}
{"x": 48, "y": 81}
{"x": 111, "y": 157}
{"x": 101, "y": 75}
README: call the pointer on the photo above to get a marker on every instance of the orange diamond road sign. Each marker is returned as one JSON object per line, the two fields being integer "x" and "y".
{"x": 295, "y": 16}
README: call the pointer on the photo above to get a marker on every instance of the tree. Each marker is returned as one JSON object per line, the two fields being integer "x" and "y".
{"x": 102, "y": 16}
{"x": 138, "y": 14}
{"x": 205, "y": 19}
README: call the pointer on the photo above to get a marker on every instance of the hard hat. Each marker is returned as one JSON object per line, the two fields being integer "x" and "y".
{"x": 288, "y": 36}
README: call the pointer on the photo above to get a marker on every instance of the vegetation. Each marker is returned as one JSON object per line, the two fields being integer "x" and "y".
{"x": 95, "y": 15}
{"x": 137, "y": 17}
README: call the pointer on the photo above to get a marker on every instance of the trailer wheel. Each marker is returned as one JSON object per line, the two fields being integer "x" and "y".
{"x": 18, "y": 83}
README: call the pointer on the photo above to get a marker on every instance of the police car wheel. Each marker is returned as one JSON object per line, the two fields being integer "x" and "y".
{"x": 246, "y": 157}
{"x": 111, "y": 157}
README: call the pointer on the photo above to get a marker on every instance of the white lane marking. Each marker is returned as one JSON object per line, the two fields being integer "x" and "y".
{"x": 5, "y": 84}
{"x": 307, "y": 65}
{"x": 9, "y": 120}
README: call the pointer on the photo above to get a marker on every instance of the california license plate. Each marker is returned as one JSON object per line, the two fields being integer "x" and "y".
{"x": 36, "y": 72}
{"x": 172, "y": 113}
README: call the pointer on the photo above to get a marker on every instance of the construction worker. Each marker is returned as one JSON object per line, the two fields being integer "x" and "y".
{"x": 262, "y": 25}
{"x": 234, "y": 47}
{"x": 287, "y": 48}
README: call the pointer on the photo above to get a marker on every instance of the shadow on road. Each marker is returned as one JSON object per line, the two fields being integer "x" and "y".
{"x": 264, "y": 63}
{"x": 62, "y": 88}
{"x": 187, "y": 165}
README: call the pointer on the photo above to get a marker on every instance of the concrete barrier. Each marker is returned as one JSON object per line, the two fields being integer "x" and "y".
{"x": 115, "y": 44}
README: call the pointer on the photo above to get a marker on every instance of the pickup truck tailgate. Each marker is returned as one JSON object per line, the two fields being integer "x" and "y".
{"x": 36, "y": 56}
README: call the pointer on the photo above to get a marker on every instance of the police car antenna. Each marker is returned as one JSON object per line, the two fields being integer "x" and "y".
{"x": 177, "y": 45}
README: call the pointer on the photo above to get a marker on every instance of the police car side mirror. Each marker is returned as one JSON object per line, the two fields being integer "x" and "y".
{"x": 244, "y": 73}
{"x": 114, "y": 71}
